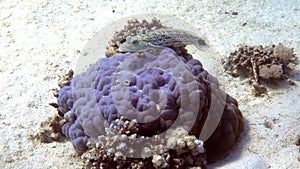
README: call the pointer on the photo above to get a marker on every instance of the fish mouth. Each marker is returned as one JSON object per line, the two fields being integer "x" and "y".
{"x": 124, "y": 48}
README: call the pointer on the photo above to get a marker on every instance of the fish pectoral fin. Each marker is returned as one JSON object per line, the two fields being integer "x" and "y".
{"x": 154, "y": 46}
{"x": 147, "y": 53}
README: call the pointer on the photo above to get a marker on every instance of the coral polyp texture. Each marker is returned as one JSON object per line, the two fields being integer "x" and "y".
{"x": 158, "y": 89}
{"x": 180, "y": 150}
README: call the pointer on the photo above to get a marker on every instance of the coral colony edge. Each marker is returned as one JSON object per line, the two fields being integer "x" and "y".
{"x": 148, "y": 108}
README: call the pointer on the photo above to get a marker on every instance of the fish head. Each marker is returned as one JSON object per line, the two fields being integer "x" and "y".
{"x": 133, "y": 45}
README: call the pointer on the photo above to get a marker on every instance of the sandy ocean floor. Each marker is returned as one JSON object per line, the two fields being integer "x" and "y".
{"x": 40, "y": 40}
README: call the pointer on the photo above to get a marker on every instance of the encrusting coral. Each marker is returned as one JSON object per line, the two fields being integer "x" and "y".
{"x": 139, "y": 96}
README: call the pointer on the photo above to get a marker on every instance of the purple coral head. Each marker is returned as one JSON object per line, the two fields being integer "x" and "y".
{"x": 161, "y": 90}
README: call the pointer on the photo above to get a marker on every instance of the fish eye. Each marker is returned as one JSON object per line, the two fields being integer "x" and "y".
{"x": 134, "y": 42}
{"x": 122, "y": 41}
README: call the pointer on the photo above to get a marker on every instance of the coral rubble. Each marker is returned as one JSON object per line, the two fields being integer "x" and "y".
{"x": 261, "y": 63}
{"x": 50, "y": 131}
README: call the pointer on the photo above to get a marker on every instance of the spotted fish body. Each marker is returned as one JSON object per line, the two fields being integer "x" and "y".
{"x": 159, "y": 38}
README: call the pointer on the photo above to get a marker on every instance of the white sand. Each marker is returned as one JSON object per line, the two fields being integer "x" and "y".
{"x": 40, "y": 40}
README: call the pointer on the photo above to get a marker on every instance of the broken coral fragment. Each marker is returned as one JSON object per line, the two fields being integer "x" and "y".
{"x": 261, "y": 63}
